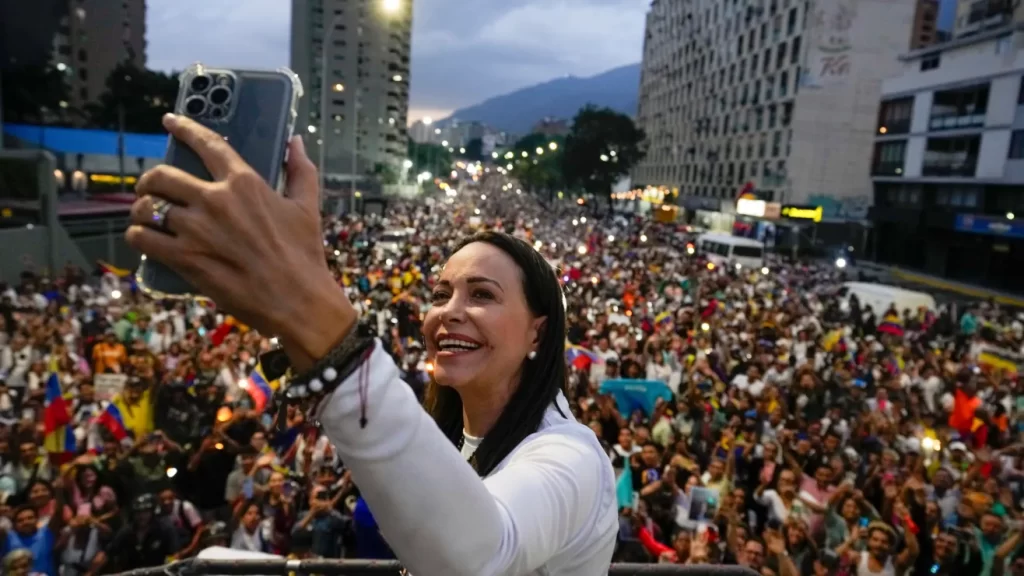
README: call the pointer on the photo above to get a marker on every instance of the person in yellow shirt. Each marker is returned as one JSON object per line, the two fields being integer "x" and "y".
{"x": 136, "y": 406}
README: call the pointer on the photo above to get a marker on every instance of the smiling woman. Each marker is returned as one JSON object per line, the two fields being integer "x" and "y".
{"x": 496, "y": 331}
{"x": 537, "y": 492}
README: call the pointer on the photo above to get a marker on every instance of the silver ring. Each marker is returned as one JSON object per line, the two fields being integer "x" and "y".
{"x": 161, "y": 209}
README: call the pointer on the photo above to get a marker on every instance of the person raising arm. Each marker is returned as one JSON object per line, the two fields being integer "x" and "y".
{"x": 520, "y": 486}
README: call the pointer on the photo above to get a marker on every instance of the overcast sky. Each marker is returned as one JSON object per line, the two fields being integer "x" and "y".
{"x": 463, "y": 51}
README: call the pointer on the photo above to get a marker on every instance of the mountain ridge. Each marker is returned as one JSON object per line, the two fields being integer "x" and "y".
{"x": 516, "y": 112}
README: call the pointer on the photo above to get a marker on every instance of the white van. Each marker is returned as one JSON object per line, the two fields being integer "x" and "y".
{"x": 725, "y": 248}
{"x": 393, "y": 240}
{"x": 881, "y": 296}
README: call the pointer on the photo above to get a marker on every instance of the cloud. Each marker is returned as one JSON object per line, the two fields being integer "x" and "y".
{"x": 462, "y": 57}
{"x": 218, "y": 32}
{"x": 462, "y": 52}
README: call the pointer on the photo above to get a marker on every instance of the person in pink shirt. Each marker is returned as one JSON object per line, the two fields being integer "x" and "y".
{"x": 815, "y": 490}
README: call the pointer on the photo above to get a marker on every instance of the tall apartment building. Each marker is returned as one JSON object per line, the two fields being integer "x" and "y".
{"x": 948, "y": 165}
{"x": 85, "y": 39}
{"x": 365, "y": 44}
{"x": 96, "y": 36}
{"x": 976, "y": 16}
{"x": 775, "y": 95}
{"x": 925, "y": 31}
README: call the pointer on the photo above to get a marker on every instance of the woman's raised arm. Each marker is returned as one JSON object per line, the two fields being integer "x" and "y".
{"x": 435, "y": 512}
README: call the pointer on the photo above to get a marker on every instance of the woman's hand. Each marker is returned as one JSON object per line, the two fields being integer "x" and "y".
{"x": 254, "y": 252}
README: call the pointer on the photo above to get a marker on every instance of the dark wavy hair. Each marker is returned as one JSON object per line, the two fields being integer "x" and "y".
{"x": 542, "y": 378}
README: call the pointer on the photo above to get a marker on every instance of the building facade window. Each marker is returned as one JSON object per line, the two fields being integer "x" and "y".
{"x": 1016, "y": 145}
{"x": 894, "y": 116}
{"x": 960, "y": 108}
{"x": 958, "y": 196}
{"x": 956, "y": 156}
{"x": 889, "y": 158}
{"x": 930, "y": 62}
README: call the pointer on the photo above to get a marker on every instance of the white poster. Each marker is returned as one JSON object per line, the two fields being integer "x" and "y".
{"x": 829, "y": 56}
{"x": 108, "y": 385}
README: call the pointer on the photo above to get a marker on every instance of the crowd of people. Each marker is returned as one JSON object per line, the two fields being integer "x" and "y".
{"x": 758, "y": 417}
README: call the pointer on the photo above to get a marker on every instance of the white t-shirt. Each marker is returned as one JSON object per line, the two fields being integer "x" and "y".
{"x": 864, "y": 570}
{"x": 742, "y": 382}
{"x": 548, "y": 508}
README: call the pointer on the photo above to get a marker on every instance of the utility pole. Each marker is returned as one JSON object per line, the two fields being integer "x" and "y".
{"x": 120, "y": 144}
{"x": 1, "y": 107}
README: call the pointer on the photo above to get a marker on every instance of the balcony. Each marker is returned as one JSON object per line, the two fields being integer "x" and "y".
{"x": 951, "y": 157}
{"x": 955, "y": 121}
{"x": 962, "y": 169}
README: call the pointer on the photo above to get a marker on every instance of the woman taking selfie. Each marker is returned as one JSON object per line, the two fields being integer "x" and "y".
{"x": 498, "y": 478}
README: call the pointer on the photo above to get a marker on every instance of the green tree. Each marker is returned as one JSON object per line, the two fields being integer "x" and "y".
{"x": 474, "y": 150}
{"x": 144, "y": 95}
{"x": 602, "y": 147}
{"x": 427, "y": 157}
{"x": 537, "y": 172}
{"x": 33, "y": 95}
{"x": 385, "y": 173}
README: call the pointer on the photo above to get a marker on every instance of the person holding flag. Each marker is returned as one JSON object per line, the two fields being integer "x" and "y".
{"x": 59, "y": 435}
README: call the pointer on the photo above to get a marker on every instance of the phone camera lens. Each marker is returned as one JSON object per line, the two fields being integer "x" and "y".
{"x": 195, "y": 106}
{"x": 217, "y": 112}
{"x": 220, "y": 95}
{"x": 201, "y": 83}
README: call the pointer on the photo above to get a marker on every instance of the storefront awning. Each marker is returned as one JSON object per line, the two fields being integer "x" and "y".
{"x": 76, "y": 141}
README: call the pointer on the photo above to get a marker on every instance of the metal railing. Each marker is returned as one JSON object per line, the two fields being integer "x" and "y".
{"x": 276, "y": 567}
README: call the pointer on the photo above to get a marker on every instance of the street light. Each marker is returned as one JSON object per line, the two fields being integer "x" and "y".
{"x": 540, "y": 150}
{"x": 553, "y": 146}
{"x": 392, "y": 6}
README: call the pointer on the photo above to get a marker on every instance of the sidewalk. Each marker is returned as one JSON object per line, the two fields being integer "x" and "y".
{"x": 938, "y": 283}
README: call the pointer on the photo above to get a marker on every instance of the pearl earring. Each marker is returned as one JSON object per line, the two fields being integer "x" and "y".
{"x": 532, "y": 354}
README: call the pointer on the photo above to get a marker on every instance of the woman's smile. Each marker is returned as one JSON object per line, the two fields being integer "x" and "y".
{"x": 452, "y": 345}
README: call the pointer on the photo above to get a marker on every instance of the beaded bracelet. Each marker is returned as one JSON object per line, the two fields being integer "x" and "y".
{"x": 311, "y": 387}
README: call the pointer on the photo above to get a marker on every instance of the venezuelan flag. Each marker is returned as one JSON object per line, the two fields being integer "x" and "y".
{"x": 108, "y": 268}
{"x": 112, "y": 420}
{"x": 892, "y": 325}
{"x": 663, "y": 318}
{"x": 259, "y": 389}
{"x": 59, "y": 440}
{"x": 992, "y": 358}
{"x": 831, "y": 340}
{"x": 580, "y": 357}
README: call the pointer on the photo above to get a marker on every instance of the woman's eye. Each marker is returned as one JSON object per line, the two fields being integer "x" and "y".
{"x": 438, "y": 296}
{"x": 484, "y": 294}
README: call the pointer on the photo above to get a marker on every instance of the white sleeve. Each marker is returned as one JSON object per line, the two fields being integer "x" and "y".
{"x": 434, "y": 510}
